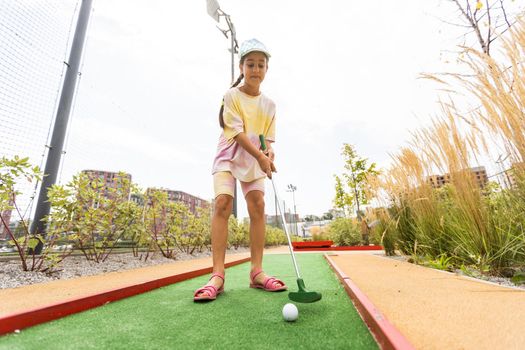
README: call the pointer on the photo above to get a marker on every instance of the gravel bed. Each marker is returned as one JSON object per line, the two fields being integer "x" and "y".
{"x": 12, "y": 275}
{"x": 502, "y": 281}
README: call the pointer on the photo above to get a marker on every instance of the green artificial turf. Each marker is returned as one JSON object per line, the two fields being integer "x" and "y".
{"x": 241, "y": 318}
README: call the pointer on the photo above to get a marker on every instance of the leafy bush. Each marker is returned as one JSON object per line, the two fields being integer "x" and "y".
{"x": 180, "y": 222}
{"x": 162, "y": 223}
{"x": 319, "y": 233}
{"x": 25, "y": 242}
{"x": 200, "y": 230}
{"x": 344, "y": 232}
{"x": 441, "y": 262}
{"x": 93, "y": 215}
{"x": 172, "y": 225}
{"x": 238, "y": 233}
{"x": 276, "y": 236}
{"x": 137, "y": 236}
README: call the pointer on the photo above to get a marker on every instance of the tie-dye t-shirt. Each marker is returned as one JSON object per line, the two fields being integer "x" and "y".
{"x": 253, "y": 115}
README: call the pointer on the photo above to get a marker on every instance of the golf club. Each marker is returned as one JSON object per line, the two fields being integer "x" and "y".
{"x": 303, "y": 295}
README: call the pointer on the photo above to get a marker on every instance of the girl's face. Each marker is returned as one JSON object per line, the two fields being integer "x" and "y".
{"x": 254, "y": 68}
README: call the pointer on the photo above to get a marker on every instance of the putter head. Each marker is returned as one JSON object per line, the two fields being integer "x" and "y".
{"x": 303, "y": 295}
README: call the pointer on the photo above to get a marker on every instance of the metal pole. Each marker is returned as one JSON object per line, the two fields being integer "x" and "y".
{"x": 295, "y": 213}
{"x": 276, "y": 221}
{"x": 232, "y": 34}
{"x": 292, "y": 188}
{"x": 284, "y": 212}
{"x": 292, "y": 221}
{"x": 61, "y": 121}
{"x": 215, "y": 12}
{"x": 233, "y": 56}
{"x": 283, "y": 219}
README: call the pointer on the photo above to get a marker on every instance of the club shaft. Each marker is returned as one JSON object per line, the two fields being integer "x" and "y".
{"x": 286, "y": 230}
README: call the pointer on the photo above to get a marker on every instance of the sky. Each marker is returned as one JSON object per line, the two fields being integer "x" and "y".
{"x": 154, "y": 73}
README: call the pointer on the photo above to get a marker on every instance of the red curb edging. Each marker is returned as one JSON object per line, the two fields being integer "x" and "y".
{"x": 312, "y": 244}
{"x": 51, "y": 312}
{"x": 371, "y": 247}
{"x": 386, "y": 335}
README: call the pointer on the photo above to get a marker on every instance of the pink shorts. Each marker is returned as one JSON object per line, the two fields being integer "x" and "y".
{"x": 224, "y": 183}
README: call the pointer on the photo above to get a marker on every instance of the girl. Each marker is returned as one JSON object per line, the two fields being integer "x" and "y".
{"x": 245, "y": 114}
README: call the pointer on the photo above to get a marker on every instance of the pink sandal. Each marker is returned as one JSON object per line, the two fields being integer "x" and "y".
{"x": 211, "y": 290}
{"x": 269, "y": 284}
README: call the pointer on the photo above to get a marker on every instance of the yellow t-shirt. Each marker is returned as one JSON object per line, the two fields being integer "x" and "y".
{"x": 253, "y": 115}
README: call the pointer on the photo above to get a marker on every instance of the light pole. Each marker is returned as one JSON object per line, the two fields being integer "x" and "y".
{"x": 54, "y": 155}
{"x": 500, "y": 161}
{"x": 214, "y": 10}
{"x": 292, "y": 188}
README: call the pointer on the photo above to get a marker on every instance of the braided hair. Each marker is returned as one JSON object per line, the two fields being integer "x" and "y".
{"x": 221, "y": 118}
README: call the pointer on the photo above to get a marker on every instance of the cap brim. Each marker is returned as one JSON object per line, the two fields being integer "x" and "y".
{"x": 256, "y": 50}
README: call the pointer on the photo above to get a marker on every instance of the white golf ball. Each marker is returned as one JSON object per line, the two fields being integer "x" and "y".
{"x": 290, "y": 312}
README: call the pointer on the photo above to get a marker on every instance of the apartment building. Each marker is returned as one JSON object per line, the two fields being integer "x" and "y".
{"x": 110, "y": 180}
{"x": 275, "y": 220}
{"x": 478, "y": 173}
{"x": 192, "y": 202}
{"x": 511, "y": 175}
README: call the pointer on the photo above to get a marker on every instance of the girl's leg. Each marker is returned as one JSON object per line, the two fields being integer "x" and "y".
{"x": 219, "y": 231}
{"x": 255, "y": 202}
{"x": 219, "y": 237}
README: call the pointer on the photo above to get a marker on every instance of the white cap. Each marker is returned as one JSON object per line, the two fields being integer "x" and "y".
{"x": 251, "y": 46}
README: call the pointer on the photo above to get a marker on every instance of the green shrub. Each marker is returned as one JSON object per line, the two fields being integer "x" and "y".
{"x": 344, "y": 232}
{"x": 238, "y": 233}
{"x": 275, "y": 236}
{"x": 25, "y": 242}
{"x": 386, "y": 235}
{"x": 200, "y": 230}
{"x": 92, "y": 215}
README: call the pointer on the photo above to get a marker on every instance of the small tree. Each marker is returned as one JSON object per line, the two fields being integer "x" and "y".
{"x": 92, "y": 214}
{"x": 163, "y": 223}
{"x": 179, "y": 223}
{"x": 137, "y": 233}
{"x": 328, "y": 216}
{"x": 192, "y": 231}
{"x": 488, "y": 19}
{"x": 12, "y": 170}
{"x": 310, "y": 218}
{"x": 200, "y": 229}
{"x": 351, "y": 189}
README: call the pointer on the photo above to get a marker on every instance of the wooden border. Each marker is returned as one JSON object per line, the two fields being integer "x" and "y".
{"x": 386, "y": 335}
{"x": 21, "y": 320}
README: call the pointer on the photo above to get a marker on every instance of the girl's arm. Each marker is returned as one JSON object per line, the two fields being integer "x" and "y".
{"x": 269, "y": 151}
{"x": 264, "y": 161}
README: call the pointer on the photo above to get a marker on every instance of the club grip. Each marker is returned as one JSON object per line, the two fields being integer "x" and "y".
{"x": 263, "y": 142}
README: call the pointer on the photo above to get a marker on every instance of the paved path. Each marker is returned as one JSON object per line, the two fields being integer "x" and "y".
{"x": 439, "y": 310}
{"x": 34, "y": 296}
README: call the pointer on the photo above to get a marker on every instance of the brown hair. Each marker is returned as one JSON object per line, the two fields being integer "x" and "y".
{"x": 237, "y": 82}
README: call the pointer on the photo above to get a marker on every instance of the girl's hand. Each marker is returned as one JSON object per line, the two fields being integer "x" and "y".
{"x": 270, "y": 153}
{"x": 266, "y": 164}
